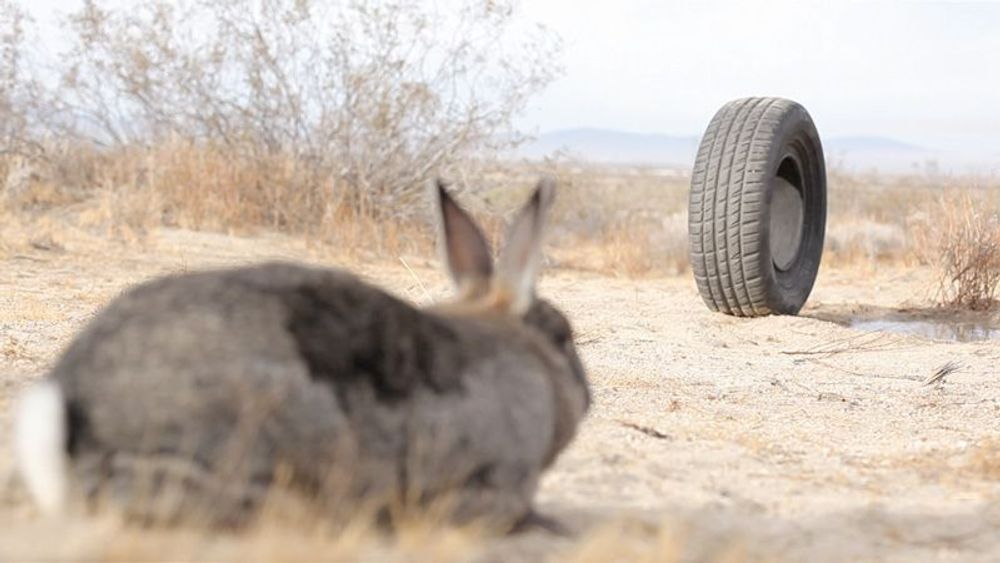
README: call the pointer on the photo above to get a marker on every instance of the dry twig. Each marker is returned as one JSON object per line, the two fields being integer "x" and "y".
{"x": 945, "y": 370}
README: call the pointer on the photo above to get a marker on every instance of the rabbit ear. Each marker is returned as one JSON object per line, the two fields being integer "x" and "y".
{"x": 464, "y": 247}
{"x": 521, "y": 258}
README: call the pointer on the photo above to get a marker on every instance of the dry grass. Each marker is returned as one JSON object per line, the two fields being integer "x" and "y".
{"x": 869, "y": 219}
{"x": 287, "y": 527}
{"x": 630, "y": 222}
{"x": 125, "y": 193}
{"x": 947, "y": 222}
{"x": 104, "y": 539}
{"x": 274, "y": 540}
{"x": 960, "y": 236}
{"x": 865, "y": 243}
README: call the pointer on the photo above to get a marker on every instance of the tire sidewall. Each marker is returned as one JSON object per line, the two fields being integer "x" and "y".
{"x": 788, "y": 289}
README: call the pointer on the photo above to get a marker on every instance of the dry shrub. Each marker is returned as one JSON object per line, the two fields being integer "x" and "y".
{"x": 371, "y": 99}
{"x": 203, "y": 186}
{"x": 21, "y": 92}
{"x": 880, "y": 199}
{"x": 273, "y": 112}
{"x": 627, "y": 249}
{"x": 960, "y": 237}
{"x": 633, "y": 247}
{"x": 879, "y": 220}
{"x": 124, "y": 213}
{"x": 30, "y": 184}
{"x": 626, "y": 221}
{"x": 126, "y": 192}
{"x": 622, "y": 220}
{"x": 869, "y": 218}
{"x": 862, "y": 242}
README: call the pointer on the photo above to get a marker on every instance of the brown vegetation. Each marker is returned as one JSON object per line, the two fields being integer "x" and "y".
{"x": 959, "y": 235}
{"x": 295, "y": 103}
{"x": 628, "y": 221}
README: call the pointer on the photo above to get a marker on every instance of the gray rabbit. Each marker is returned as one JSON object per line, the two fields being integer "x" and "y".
{"x": 198, "y": 393}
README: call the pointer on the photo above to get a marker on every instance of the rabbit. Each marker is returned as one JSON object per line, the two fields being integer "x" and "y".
{"x": 200, "y": 393}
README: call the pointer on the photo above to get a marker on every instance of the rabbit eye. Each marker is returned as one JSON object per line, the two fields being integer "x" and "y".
{"x": 562, "y": 334}
{"x": 566, "y": 334}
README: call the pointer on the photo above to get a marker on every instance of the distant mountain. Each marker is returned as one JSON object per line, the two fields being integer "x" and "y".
{"x": 870, "y": 143}
{"x": 616, "y": 147}
{"x": 881, "y": 153}
{"x": 846, "y": 153}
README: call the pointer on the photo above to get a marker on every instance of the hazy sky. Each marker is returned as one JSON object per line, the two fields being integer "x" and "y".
{"x": 923, "y": 72}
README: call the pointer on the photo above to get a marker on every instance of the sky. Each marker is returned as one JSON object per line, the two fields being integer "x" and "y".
{"x": 927, "y": 73}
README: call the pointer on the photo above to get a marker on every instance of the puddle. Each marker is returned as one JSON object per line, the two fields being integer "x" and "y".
{"x": 937, "y": 329}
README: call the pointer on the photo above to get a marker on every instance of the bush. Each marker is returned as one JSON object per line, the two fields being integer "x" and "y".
{"x": 960, "y": 236}
{"x": 20, "y": 92}
{"x": 348, "y": 103}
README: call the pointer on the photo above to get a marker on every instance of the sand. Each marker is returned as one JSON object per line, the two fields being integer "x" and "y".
{"x": 789, "y": 438}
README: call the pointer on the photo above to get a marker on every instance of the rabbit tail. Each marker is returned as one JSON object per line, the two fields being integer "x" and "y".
{"x": 40, "y": 435}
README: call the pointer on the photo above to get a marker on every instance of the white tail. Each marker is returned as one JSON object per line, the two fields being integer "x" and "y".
{"x": 40, "y": 442}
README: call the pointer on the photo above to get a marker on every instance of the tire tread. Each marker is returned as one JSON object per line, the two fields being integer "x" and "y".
{"x": 726, "y": 205}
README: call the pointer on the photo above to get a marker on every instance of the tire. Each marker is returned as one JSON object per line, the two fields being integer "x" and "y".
{"x": 757, "y": 208}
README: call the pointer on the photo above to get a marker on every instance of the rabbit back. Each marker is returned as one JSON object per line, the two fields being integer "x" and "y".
{"x": 218, "y": 378}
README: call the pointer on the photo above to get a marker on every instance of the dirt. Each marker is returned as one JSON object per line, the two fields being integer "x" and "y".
{"x": 788, "y": 438}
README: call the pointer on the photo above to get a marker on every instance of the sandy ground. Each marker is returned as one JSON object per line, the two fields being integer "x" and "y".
{"x": 789, "y": 438}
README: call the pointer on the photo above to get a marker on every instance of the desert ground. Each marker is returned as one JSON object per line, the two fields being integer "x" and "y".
{"x": 710, "y": 437}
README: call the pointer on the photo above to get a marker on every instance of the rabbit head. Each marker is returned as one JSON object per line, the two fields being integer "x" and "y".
{"x": 504, "y": 290}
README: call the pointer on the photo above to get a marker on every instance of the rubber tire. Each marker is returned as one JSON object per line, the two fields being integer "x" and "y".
{"x": 729, "y": 207}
